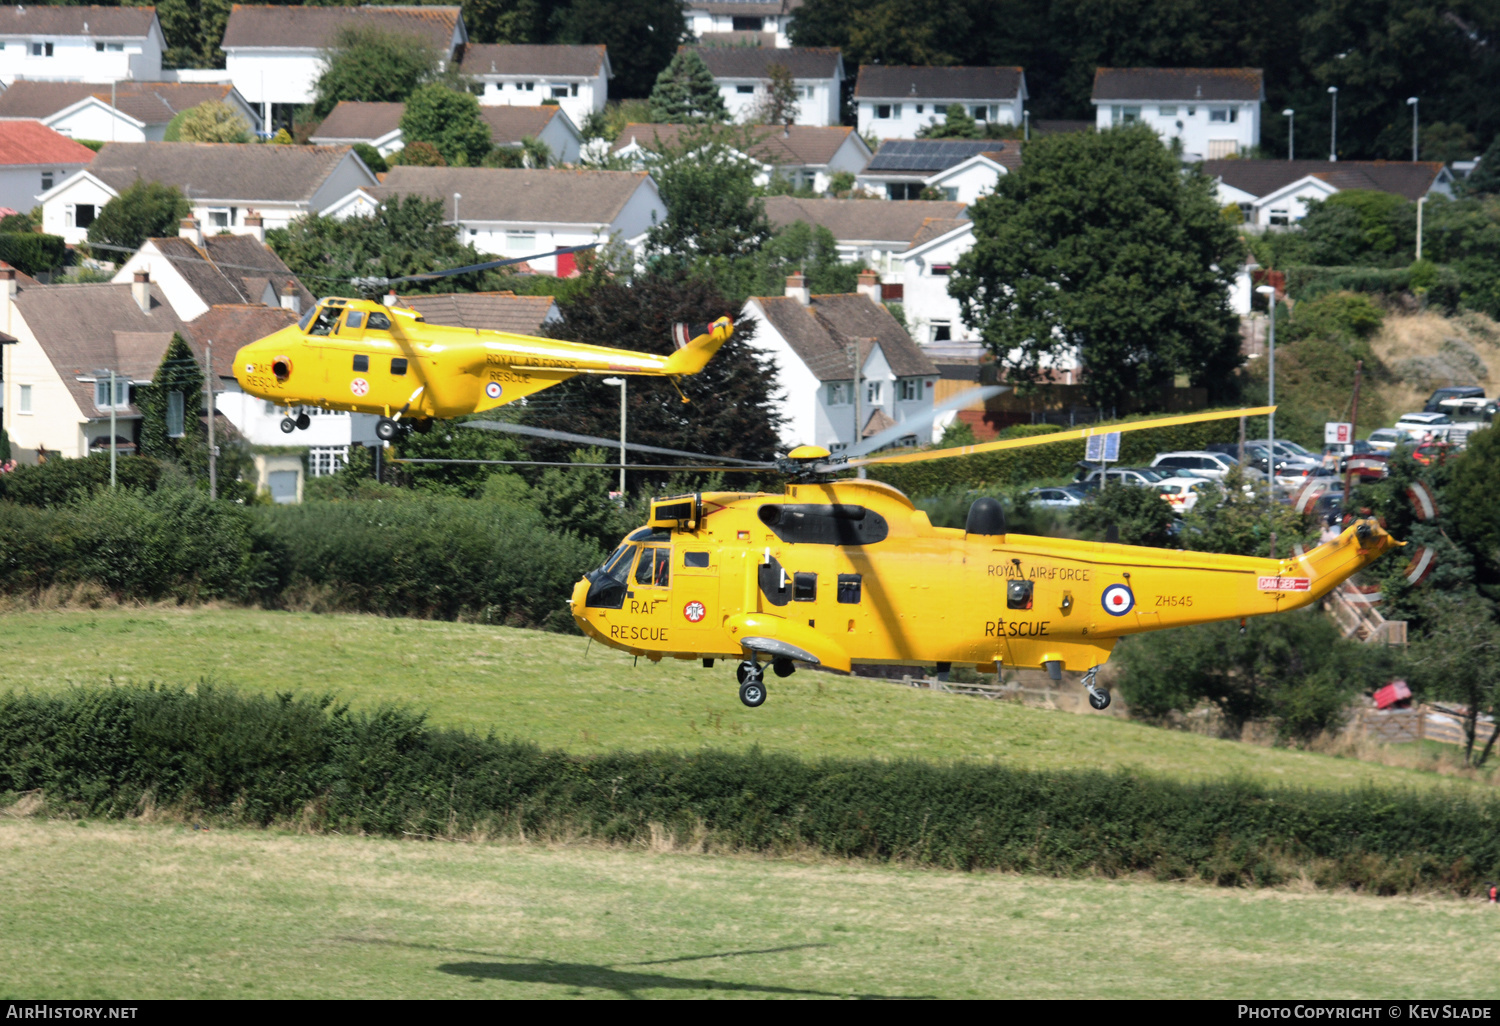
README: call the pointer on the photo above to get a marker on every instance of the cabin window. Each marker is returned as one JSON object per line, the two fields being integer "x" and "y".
{"x": 820, "y": 524}
{"x": 849, "y": 589}
{"x": 654, "y": 567}
{"x": 327, "y": 319}
{"x": 354, "y": 319}
{"x": 379, "y": 322}
{"x": 696, "y": 560}
{"x": 1018, "y": 594}
{"x": 398, "y": 365}
{"x": 362, "y": 363}
{"x": 804, "y": 587}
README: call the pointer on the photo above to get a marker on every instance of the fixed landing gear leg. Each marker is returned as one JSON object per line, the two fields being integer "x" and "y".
{"x": 1098, "y": 696}
{"x": 752, "y": 683}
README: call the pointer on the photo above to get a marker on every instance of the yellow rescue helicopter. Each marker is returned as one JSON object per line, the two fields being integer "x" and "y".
{"x": 834, "y": 572}
{"x": 378, "y": 357}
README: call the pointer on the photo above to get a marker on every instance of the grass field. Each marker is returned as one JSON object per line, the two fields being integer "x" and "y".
{"x": 558, "y": 691}
{"x": 99, "y": 910}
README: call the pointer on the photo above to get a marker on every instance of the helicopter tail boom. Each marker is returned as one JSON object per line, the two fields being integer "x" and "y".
{"x": 693, "y": 357}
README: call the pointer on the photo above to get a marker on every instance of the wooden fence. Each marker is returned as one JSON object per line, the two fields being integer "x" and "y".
{"x": 1420, "y": 723}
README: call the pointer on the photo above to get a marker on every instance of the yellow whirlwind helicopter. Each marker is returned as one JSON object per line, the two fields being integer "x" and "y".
{"x": 376, "y": 357}
{"x": 830, "y": 573}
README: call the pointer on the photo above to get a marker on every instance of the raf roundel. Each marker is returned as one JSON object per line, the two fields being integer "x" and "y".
{"x": 1118, "y": 600}
{"x": 359, "y": 386}
{"x": 492, "y": 390}
{"x": 693, "y": 611}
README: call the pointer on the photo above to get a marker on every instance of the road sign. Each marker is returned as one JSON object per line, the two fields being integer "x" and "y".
{"x": 1335, "y": 433}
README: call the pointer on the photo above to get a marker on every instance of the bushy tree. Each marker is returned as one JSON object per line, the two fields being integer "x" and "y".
{"x": 778, "y": 106}
{"x": 211, "y": 122}
{"x": 686, "y": 92}
{"x": 797, "y": 247}
{"x": 368, "y": 63}
{"x": 1101, "y": 244}
{"x": 1240, "y": 518}
{"x": 1141, "y": 515}
{"x": 178, "y": 374}
{"x": 1485, "y": 178}
{"x": 371, "y": 157}
{"x": 450, "y": 440}
{"x": 713, "y": 206}
{"x": 641, "y": 36}
{"x": 1455, "y": 661}
{"x": 145, "y": 210}
{"x": 956, "y": 124}
{"x": 448, "y": 120}
{"x": 418, "y": 154}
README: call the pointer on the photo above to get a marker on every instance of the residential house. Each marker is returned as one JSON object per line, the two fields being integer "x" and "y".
{"x": 517, "y": 212}
{"x": 741, "y": 22}
{"x": 802, "y": 155}
{"x": 80, "y": 44}
{"x": 274, "y": 54}
{"x": 123, "y": 112}
{"x": 817, "y": 342}
{"x": 197, "y": 272}
{"x": 34, "y": 158}
{"x": 743, "y": 76}
{"x": 1213, "y": 112}
{"x": 226, "y": 184}
{"x": 893, "y": 101}
{"x": 65, "y": 334}
{"x": 958, "y": 170}
{"x": 575, "y": 78}
{"x": 920, "y": 280}
{"x": 1275, "y": 193}
{"x": 379, "y": 124}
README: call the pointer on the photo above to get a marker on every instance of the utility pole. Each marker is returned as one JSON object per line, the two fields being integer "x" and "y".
{"x": 1420, "y": 201}
{"x": 1411, "y": 101}
{"x": 1359, "y": 372}
{"x": 111, "y": 429}
{"x": 1333, "y": 131}
{"x": 1291, "y": 131}
{"x": 213, "y": 450}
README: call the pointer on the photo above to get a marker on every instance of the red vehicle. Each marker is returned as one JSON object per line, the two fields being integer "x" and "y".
{"x": 1429, "y": 453}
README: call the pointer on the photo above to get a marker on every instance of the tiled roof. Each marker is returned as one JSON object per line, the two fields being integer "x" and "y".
{"x": 935, "y": 228}
{"x": 532, "y": 59}
{"x": 772, "y": 144}
{"x": 922, "y": 157}
{"x": 744, "y": 8}
{"x": 495, "y": 311}
{"x": 154, "y": 103}
{"x": 507, "y": 194}
{"x": 85, "y": 327}
{"x": 364, "y": 122}
{"x": 97, "y": 22}
{"x": 736, "y": 39}
{"x": 752, "y": 61}
{"x": 896, "y": 81}
{"x": 886, "y": 221}
{"x": 878, "y": 421}
{"x": 30, "y": 142}
{"x": 1263, "y": 177}
{"x": 509, "y": 125}
{"x": 239, "y": 171}
{"x": 1182, "y": 84}
{"x": 230, "y": 326}
{"x": 315, "y": 27}
{"x": 229, "y": 269}
{"x": 820, "y": 334}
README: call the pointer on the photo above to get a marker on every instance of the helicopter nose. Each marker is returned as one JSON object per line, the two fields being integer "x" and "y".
{"x": 577, "y": 603}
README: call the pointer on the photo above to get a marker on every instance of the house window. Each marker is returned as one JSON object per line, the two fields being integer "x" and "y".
{"x": 1225, "y": 115}
{"x": 882, "y": 110}
{"x": 560, "y": 92}
{"x": 1126, "y": 115}
{"x": 980, "y": 112}
{"x": 748, "y": 24}
{"x": 122, "y": 393}
{"x": 950, "y": 193}
{"x": 1247, "y": 211}
{"x": 220, "y": 217}
{"x": 838, "y": 393}
{"x": 911, "y": 389}
{"x": 1167, "y": 112}
{"x": 942, "y": 270}
{"x": 324, "y": 460}
{"x": 919, "y": 109}
{"x": 942, "y": 331}
{"x": 25, "y": 399}
{"x": 46, "y": 180}
{"x": 903, "y": 190}
{"x": 520, "y": 240}
{"x": 81, "y": 215}
{"x": 528, "y": 86}
{"x": 1279, "y": 216}
{"x": 873, "y": 390}
{"x": 747, "y": 90}
{"x": 110, "y": 47}
{"x": 175, "y": 415}
{"x": 574, "y": 88}
{"x": 41, "y": 49}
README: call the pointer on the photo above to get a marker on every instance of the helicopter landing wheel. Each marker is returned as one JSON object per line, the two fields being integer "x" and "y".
{"x": 1098, "y": 697}
{"x": 385, "y": 429}
{"x": 753, "y": 691}
{"x": 288, "y": 425}
{"x": 421, "y": 427}
{"x": 784, "y": 667}
{"x": 303, "y": 422}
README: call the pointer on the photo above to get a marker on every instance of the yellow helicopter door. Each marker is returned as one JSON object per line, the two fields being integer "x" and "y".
{"x": 694, "y": 606}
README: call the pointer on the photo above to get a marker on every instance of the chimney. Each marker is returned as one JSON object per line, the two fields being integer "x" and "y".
{"x": 869, "y": 285}
{"x": 291, "y": 299}
{"x": 8, "y": 282}
{"x": 796, "y": 288}
{"x": 257, "y": 226}
{"x": 141, "y": 290}
{"x": 189, "y": 230}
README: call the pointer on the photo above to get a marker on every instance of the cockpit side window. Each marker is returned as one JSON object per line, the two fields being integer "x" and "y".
{"x": 354, "y": 319}
{"x": 327, "y": 319}
{"x": 654, "y": 567}
{"x": 379, "y": 322}
{"x": 306, "y": 318}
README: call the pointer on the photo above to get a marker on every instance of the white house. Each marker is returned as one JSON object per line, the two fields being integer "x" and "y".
{"x": 122, "y": 112}
{"x": 576, "y": 78}
{"x": 741, "y": 22}
{"x": 1214, "y": 112}
{"x": 743, "y": 76}
{"x": 925, "y": 268}
{"x": 80, "y": 44}
{"x": 867, "y": 232}
{"x": 33, "y": 159}
{"x": 226, "y": 184}
{"x": 274, "y": 54}
{"x": 959, "y": 170}
{"x": 1275, "y": 193}
{"x": 801, "y": 154}
{"x": 197, "y": 272}
{"x": 894, "y": 101}
{"x": 816, "y": 343}
{"x": 517, "y": 212}
{"x": 379, "y": 124}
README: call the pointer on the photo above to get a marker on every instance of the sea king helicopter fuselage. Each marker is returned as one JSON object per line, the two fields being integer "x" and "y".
{"x": 834, "y": 573}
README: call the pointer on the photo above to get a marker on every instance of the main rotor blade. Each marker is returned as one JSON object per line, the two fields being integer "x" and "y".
{"x": 490, "y": 264}
{"x": 594, "y": 466}
{"x": 1061, "y": 436}
{"x": 914, "y": 425}
{"x": 564, "y": 436}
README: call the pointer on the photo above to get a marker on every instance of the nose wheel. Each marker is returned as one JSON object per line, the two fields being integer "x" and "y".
{"x": 752, "y": 683}
{"x": 1098, "y": 696}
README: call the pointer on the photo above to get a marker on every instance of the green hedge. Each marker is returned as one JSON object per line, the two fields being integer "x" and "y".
{"x": 1441, "y": 284}
{"x": 1019, "y": 466}
{"x": 59, "y": 481}
{"x": 31, "y": 253}
{"x": 260, "y": 760}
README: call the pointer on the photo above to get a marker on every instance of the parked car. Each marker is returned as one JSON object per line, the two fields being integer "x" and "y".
{"x": 1421, "y": 423}
{"x": 1386, "y": 439}
{"x": 1215, "y": 466}
{"x": 1295, "y": 475}
{"x": 1057, "y": 498}
{"x": 1288, "y": 452}
{"x": 1477, "y": 408}
{"x": 1138, "y": 477}
{"x": 1429, "y": 453}
{"x": 1435, "y": 401}
{"x": 1183, "y": 493}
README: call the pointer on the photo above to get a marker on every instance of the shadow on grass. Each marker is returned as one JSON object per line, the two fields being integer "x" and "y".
{"x": 568, "y": 974}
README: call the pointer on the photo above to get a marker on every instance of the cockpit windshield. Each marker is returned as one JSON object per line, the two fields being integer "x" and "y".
{"x": 618, "y": 564}
{"x": 306, "y": 318}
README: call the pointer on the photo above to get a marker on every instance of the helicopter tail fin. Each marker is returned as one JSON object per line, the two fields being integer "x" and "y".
{"x": 692, "y": 355}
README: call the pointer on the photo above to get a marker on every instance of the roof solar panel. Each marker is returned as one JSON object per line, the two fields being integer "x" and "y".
{"x": 928, "y": 154}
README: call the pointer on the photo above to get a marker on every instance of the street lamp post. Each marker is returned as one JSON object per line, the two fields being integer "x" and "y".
{"x": 458, "y": 228}
{"x": 1026, "y": 125}
{"x": 1291, "y": 125}
{"x": 1411, "y": 101}
{"x": 1269, "y": 292}
{"x": 1420, "y": 201}
{"x": 1333, "y": 132}
{"x": 620, "y": 384}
